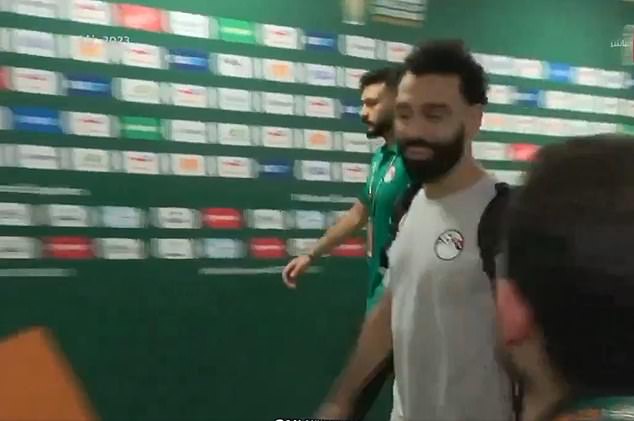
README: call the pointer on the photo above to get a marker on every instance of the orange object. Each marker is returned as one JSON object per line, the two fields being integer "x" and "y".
{"x": 36, "y": 381}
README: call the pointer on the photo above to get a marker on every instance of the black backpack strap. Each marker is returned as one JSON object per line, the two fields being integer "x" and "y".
{"x": 490, "y": 229}
{"x": 489, "y": 242}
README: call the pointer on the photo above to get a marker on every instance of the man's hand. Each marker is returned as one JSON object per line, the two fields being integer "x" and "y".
{"x": 294, "y": 269}
{"x": 333, "y": 411}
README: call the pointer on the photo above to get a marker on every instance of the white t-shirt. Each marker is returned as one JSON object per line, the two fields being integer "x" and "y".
{"x": 443, "y": 324}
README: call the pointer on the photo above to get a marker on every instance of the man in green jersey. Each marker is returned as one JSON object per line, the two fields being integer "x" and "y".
{"x": 565, "y": 293}
{"x": 385, "y": 184}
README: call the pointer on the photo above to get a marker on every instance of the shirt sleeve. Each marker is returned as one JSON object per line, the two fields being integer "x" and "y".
{"x": 364, "y": 194}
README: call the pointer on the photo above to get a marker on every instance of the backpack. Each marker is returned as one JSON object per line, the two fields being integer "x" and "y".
{"x": 489, "y": 235}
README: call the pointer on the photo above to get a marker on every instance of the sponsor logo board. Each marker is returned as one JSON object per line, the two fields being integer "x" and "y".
{"x": 173, "y": 248}
{"x": 276, "y": 103}
{"x": 69, "y": 248}
{"x": 318, "y": 140}
{"x": 235, "y": 167}
{"x": 186, "y": 164}
{"x": 355, "y": 142}
{"x": 222, "y": 218}
{"x": 88, "y": 49}
{"x": 188, "y": 131}
{"x": 321, "y": 75}
{"x": 89, "y": 124}
{"x": 139, "y": 17}
{"x": 91, "y": 160}
{"x": 88, "y": 85}
{"x": 33, "y": 43}
{"x": 224, "y": 248}
{"x": 279, "y": 70}
{"x": 234, "y": 65}
{"x": 267, "y": 248}
{"x": 18, "y": 248}
{"x": 140, "y": 55}
{"x": 141, "y": 163}
{"x": 310, "y": 220}
{"x": 38, "y": 157}
{"x": 319, "y": 107}
{"x": 280, "y": 36}
{"x": 15, "y": 214}
{"x": 234, "y": 99}
{"x": 34, "y": 81}
{"x": 175, "y": 218}
{"x": 39, "y": 8}
{"x": 277, "y": 137}
{"x": 189, "y": 95}
{"x": 315, "y": 171}
{"x": 188, "y": 24}
{"x": 276, "y": 168}
{"x": 90, "y": 11}
{"x": 352, "y": 172}
{"x": 122, "y": 217}
{"x": 137, "y": 90}
{"x": 268, "y": 219}
{"x": 121, "y": 249}
{"x": 188, "y": 59}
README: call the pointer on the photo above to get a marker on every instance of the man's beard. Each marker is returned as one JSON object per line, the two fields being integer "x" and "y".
{"x": 382, "y": 127}
{"x": 445, "y": 156}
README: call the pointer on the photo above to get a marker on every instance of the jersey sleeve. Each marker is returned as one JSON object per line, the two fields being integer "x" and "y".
{"x": 364, "y": 194}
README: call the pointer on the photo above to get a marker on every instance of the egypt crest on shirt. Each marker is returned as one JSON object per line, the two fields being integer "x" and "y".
{"x": 449, "y": 245}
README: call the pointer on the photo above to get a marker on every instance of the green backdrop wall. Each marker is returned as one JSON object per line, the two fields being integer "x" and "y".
{"x": 204, "y": 330}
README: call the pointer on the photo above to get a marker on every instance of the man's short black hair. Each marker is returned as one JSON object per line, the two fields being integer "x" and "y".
{"x": 450, "y": 57}
{"x": 391, "y": 76}
{"x": 570, "y": 245}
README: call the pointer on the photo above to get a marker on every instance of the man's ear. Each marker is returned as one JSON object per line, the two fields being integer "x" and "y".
{"x": 515, "y": 317}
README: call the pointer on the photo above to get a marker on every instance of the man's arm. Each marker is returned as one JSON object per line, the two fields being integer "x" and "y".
{"x": 354, "y": 219}
{"x": 374, "y": 347}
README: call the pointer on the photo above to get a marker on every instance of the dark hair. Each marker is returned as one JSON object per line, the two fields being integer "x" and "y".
{"x": 450, "y": 57}
{"x": 570, "y": 239}
{"x": 391, "y": 76}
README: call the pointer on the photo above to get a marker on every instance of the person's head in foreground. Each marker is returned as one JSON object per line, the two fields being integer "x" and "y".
{"x": 439, "y": 109}
{"x": 378, "y": 93}
{"x": 565, "y": 293}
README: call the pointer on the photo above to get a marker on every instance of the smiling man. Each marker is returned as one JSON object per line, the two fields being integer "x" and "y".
{"x": 437, "y": 313}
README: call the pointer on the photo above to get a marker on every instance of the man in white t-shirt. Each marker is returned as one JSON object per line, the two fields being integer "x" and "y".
{"x": 437, "y": 315}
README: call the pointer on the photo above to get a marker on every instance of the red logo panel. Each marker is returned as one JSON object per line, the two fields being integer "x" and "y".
{"x": 267, "y": 248}
{"x": 140, "y": 17}
{"x": 222, "y": 218}
{"x": 523, "y": 151}
{"x": 4, "y": 79}
{"x": 353, "y": 247}
{"x": 69, "y": 248}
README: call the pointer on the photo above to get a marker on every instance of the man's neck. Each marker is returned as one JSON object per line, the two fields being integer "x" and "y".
{"x": 464, "y": 175}
{"x": 389, "y": 139}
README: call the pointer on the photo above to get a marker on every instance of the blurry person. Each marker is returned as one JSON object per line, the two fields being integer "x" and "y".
{"x": 386, "y": 182}
{"x": 437, "y": 313}
{"x": 565, "y": 296}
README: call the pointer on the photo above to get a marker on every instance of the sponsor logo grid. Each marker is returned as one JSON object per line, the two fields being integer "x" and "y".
{"x": 211, "y": 223}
